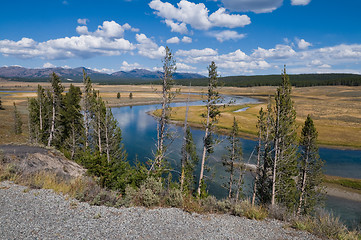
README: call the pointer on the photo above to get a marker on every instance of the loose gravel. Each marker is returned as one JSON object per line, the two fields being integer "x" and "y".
{"x": 43, "y": 214}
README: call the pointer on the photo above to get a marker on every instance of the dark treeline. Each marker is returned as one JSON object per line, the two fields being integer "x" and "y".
{"x": 297, "y": 80}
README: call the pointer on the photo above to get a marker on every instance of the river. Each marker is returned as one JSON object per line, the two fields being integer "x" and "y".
{"x": 139, "y": 134}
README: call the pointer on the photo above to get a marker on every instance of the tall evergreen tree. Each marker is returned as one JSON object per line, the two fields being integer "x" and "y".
{"x": 310, "y": 169}
{"x": 234, "y": 159}
{"x": 169, "y": 67}
{"x": 189, "y": 157}
{"x": 97, "y": 123}
{"x": 39, "y": 116}
{"x": 284, "y": 165}
{"x": 189, "y": 161}
{"x": 17, "y": 121}
{"x": 264, "y": 182}
{"x": 34, "y": 133}
{"x": 56, "y": 97}
{"x": 211, "y": 117}
{"x": 1, "y": 105}
{"x": 261, "y": 131}
{"x": 72, "y": 119}
{"x": 88, "y": 100}
{"x": 113, "y": 138}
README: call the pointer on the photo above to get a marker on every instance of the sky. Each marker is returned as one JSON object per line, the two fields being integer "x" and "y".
{"x": 243, "y": 37}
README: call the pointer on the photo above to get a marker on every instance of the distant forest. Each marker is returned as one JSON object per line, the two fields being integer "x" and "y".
{"x": 298, "y": 80}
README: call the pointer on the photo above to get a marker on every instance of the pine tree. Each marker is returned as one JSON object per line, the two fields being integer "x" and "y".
{"x": 234, "y": 160}
{"x": 97, "y": 123}
{"x": 17, "y": 121}
{"x": 131, "y": 95}
{"x": 56, "y": 97}
{"x": 310, "y": 170}
{"x": 72, "y": 120}
{"x": 118, "y": 95}
{"x": 88, "y": 100}
{"x": 189, "y": 161}
{"x": 113, "y": 138}
{"x": 211, "y": 118}
{"x": 264, "y": 181}
{"x": 1, "y": 105}
{"x": 33, "y": 109}
{"x": 284, "y": 165}
{"x": 169, "y": 67}
{"x": 261, "y": 130}
{"x": 39, "y": 117}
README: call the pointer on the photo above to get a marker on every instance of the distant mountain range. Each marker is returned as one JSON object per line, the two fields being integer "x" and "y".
{"x": 76, "y": 74}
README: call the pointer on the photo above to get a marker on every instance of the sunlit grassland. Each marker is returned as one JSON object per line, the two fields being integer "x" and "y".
{"x": 352, "y": 183}
{"x": 336, "y": 111}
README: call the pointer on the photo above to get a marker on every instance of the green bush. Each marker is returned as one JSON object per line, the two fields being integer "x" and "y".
{"x": 148, "y": 198}
{"x": 253, "y": 212}
{"x": 174, "y": 198}
{"x": 209, "y": 204}
{"x": 324, "y": 225}
{"x": 153, "y": 184}
{"x": 224, "y": 206}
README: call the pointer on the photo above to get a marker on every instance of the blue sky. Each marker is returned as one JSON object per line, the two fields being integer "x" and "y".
{"x": 243, "y": 37}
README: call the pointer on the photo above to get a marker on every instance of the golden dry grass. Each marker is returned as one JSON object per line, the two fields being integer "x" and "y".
{"x": 336, "y": 111}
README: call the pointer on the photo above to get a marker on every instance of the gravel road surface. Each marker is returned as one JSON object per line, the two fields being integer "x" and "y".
{"x": 42, "y": 214}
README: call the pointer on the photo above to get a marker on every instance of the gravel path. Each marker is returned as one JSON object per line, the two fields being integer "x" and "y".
{"x": 42, "y": 214}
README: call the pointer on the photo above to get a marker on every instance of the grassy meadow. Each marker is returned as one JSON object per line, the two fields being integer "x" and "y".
{"x": 336, "y": 111}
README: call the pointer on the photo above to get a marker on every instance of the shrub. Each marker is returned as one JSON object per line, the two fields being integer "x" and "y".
{"x": 9, "y": 172}
{"x": 224, "y": 206}
{"x": 324, "y": 225}
{"x": 209, "y": 204}
{"x": 129, "y": 197}
{"x": 253, "y": 212}
{"x": 279, "y": 212}
{"x": 237, "y": 209}
{"x": 148, "y": 198}
{"x": 174, "y": 198}
{"x": 153, "y": 184}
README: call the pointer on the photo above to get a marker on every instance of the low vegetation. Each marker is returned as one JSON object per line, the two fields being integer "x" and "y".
{"x": 345, "y": 182}
{"x": 153, "y": 193}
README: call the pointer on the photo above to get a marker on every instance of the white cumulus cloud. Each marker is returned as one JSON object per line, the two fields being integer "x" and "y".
{"x": 184, "y": 67}
{"x": 257, "y": 6}
{"x": 302, "y": 44}
{"x": 148, "y": 48}
{"x": 222, "y": 19}
{"x": 48, "y": 65}
{"x": 196, "y": 15}
{"x": 300, "y": 2}
{"x": 177, "y": 27}
{"x": 129, "y": 66}
{"x": 280, "y": 51}
{"x": 173, "y": 40}
{"x": 197, "y": 52}
{"x": 106, "y": 41}
{"x": 186, "y": 39}
{"x": 227, "y": 35}
{"x": 83, "y": 21}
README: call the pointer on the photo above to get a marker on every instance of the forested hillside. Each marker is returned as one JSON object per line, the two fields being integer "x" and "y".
{"x": 298, "y": 80}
